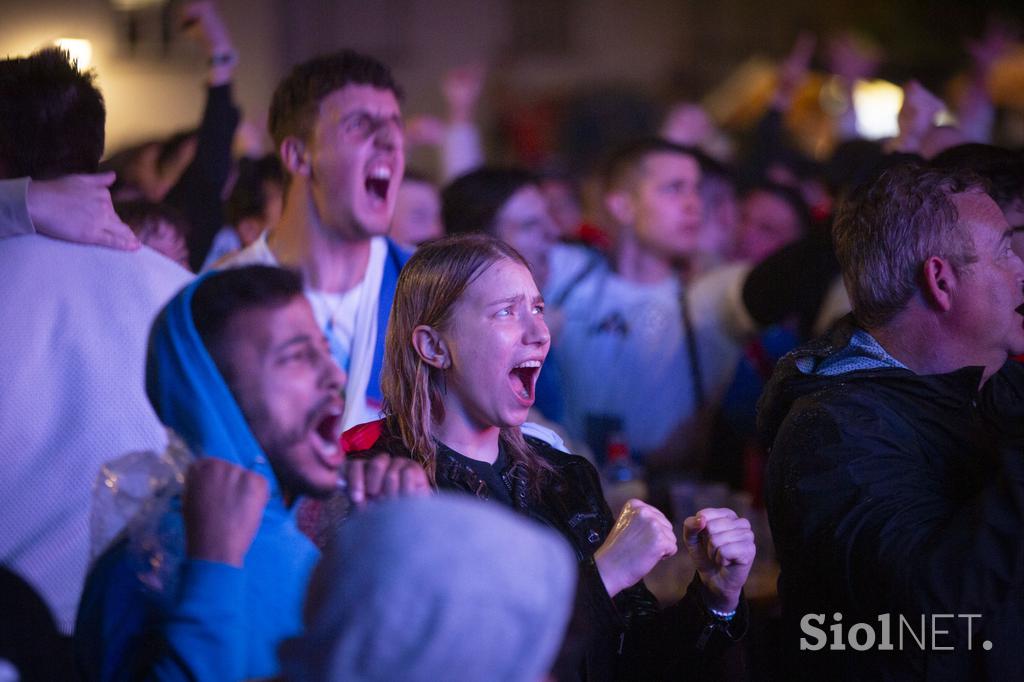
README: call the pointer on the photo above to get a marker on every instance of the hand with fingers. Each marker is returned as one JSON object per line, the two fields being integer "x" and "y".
{"x": 382, "y": 476}
{"x": 998, "y": 39}
{"x": 852, "y": 57}
{"x": 462, "y": 88}
{"x": 223, "y": 506}
{"x": 202, "y": 21}
{"x": 78, "y": 208}
{"x": 794, "y": 69}
{"x": 916, "y": 117}
{"x": 721, "y": 545}
{"x": 424, "y": 130}
{"x": 641, "y": 537}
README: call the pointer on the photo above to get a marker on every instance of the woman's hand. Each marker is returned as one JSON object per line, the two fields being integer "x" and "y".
{"x": 642, "y": 537}
{"x": 721, "y": 546}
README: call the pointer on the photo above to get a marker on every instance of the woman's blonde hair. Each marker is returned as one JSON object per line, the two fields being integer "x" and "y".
{"x": 429, "y": 286}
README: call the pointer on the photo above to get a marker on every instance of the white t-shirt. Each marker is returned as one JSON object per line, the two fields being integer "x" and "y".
{"x": 336, "y": 315}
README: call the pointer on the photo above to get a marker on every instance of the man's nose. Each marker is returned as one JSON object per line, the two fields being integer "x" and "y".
{"x": 333, "y": 377}
{"x": 692, "y": 204}
{"x": 388, "y": 135}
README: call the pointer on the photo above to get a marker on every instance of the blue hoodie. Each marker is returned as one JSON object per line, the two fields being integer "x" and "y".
{"x": 209, "y": 621}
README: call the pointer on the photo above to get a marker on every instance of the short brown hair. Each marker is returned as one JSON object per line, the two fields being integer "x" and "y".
{"x": 886, "y": 229}
{"x": 623, "y": 163}
{"x": 296, "y": 100}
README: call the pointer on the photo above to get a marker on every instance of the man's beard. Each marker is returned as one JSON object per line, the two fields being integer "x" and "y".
{"x": 277, "y": 441}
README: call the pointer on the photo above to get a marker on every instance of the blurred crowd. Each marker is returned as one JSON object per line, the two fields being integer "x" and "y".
{"x": 192, "y": 323}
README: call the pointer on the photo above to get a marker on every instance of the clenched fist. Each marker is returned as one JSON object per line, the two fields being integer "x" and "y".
{"x": 383, "y": 476}
{"x": 223, "y": 507}
{"x": 721, "y": 546}
{"x": 641, "y": 537}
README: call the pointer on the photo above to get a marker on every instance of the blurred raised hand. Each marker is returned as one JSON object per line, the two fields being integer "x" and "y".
{"x": 794, "y": 69}
{"x": 462, "y": 87}
{"x": 202, "y": 22}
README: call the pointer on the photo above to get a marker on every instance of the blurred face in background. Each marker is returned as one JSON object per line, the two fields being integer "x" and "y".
{"x": 250, "y": 228}
{"x": 525, "y": 224}
{"x": 665, "y": 206}
{"x": 720, "y": 217}
{"x": 417, "y": 214}
{"x": 165, "y": 238}
{"x": 563, "y": 205}
{"x": 767, "y": 223}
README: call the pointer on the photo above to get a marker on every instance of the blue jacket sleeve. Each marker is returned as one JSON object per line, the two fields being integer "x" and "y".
{"x": 128, "y": 631}
{"x": 203, "y": 633}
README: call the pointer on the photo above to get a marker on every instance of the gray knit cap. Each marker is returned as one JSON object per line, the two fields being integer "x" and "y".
{"x": 446, "y": 587}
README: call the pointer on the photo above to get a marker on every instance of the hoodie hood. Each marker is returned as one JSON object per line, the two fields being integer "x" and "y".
{"x": 189, "y": 393}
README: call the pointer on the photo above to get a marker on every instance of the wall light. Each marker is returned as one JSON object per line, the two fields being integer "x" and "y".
{"x": 79, "y": 49}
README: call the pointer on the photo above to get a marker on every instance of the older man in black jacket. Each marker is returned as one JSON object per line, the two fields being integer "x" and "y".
{"x": 895, "y": 493}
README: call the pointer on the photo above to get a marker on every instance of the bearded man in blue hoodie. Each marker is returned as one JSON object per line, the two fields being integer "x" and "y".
{"x": 239, "y": 369}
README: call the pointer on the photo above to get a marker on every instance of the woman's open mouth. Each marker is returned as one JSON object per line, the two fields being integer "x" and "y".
{"x": 523, "y": 380}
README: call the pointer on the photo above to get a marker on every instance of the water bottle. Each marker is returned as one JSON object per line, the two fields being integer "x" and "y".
{"x": 623, "y": 478}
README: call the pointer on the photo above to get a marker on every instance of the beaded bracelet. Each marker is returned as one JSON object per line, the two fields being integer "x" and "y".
{"x": 722, "y": 615}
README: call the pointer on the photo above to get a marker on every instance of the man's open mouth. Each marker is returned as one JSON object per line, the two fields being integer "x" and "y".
{"x": 378, "y": 181}
{"x": 523, "y": 379}
{"x": 326, "y": 429}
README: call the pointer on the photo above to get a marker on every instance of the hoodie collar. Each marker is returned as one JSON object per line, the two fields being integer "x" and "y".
{"x": 956, "y": 389}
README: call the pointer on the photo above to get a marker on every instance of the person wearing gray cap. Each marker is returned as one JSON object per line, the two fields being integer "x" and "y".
{"x": 395, "y": 599}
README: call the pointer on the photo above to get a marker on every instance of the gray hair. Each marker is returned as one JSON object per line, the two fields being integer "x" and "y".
{"x": 885, "y": 231}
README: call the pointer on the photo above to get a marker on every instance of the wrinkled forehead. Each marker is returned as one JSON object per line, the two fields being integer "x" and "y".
{"x": 502, "y": 278}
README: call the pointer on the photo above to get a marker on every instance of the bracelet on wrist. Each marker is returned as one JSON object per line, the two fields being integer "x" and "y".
{"x": 721, "y": 615}
{"x": 224, "y": 58}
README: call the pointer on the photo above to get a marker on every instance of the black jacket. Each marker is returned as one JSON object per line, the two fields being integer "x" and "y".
{"x": 896, "y": 493}
{"x": 622, "y": 639}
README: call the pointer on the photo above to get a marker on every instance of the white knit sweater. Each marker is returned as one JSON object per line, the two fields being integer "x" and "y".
{"x": 74, "y": 321}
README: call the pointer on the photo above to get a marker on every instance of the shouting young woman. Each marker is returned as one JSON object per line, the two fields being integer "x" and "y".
{"x": 464, "y": 348}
